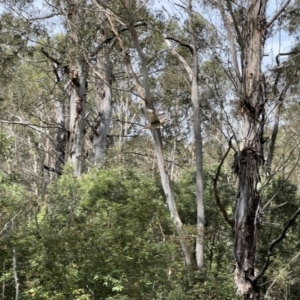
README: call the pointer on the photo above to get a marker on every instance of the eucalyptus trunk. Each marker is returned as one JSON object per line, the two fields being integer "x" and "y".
{"x": 165, "y": 179}
{"x": 198, "y": 143}
{"x": 250, "y": 157}
{"x": 76, "y": 89}
{"x": 61, "y": 135}
{"x": 192, "y": 72}
{"x": 103, "y": 97}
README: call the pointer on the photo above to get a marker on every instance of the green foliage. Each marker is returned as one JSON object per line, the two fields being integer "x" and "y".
{"x": 6, "y": 144}
{"x": 98, "y": 236}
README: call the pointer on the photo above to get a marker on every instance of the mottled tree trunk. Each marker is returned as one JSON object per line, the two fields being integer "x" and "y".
{"x": 103, "y": 97}
{"x": 250, "y": 157}
{"x": 61, "y": 135}
{"x": 76, "y": 89}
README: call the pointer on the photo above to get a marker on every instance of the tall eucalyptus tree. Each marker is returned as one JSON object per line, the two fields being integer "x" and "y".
{"x": 193, "y": 78}
{"x": 247, "y": 32}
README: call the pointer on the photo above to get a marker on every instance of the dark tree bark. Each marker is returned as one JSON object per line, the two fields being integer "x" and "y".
{"x": 250, "y": 34}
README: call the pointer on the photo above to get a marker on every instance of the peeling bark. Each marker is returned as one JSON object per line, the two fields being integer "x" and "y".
{"x": 250, "y": 158}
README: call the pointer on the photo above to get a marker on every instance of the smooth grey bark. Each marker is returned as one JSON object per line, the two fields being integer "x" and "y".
{"x": 193, "y": 77}
{"x": 198, "y": 149}
{"x": 166, "y": 184}
{"x": 16, "y": 278}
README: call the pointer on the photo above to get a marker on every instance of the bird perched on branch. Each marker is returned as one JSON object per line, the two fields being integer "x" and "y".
{"x": 155, "y": 119}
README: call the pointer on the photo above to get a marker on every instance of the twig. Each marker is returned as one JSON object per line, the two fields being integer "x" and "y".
{"x": 292, "y": 260}
{"x": 274, "y": 243}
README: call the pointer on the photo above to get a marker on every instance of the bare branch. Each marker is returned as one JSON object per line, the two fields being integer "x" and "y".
{"x": 278, "y": 13}
{"x": 279, "y": 275}
{"x": 9, "y": 222}
{"x": 276, "y": 124}
{"x": 217, "y": 196}
{"x": 127, "y": 58}
{"x": 50, "y": 169}
{"x": 174, "y": 52}
{"x": 181, "y": 43}
{"x": 49, "y": 56}
{"x": 34, "y": 127}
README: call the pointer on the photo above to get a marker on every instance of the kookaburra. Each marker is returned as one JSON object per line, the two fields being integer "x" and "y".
{"x": 155, "y": 119}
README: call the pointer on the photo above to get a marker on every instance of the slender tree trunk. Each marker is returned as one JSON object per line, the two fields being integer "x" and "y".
{"x": 166, "y": 184}
{"x": 198, "y": 148}
{"x": 3, "y": 282}
{"x": 15, "y": 268}
{"x": 192, "y": 72}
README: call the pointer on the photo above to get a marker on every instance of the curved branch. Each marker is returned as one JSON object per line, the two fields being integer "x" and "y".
{"x": 180, "y": 43}
{"x": 274, "y": 243}
{"x": 49, "y": 56}
{"x": 217, "y": 196}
